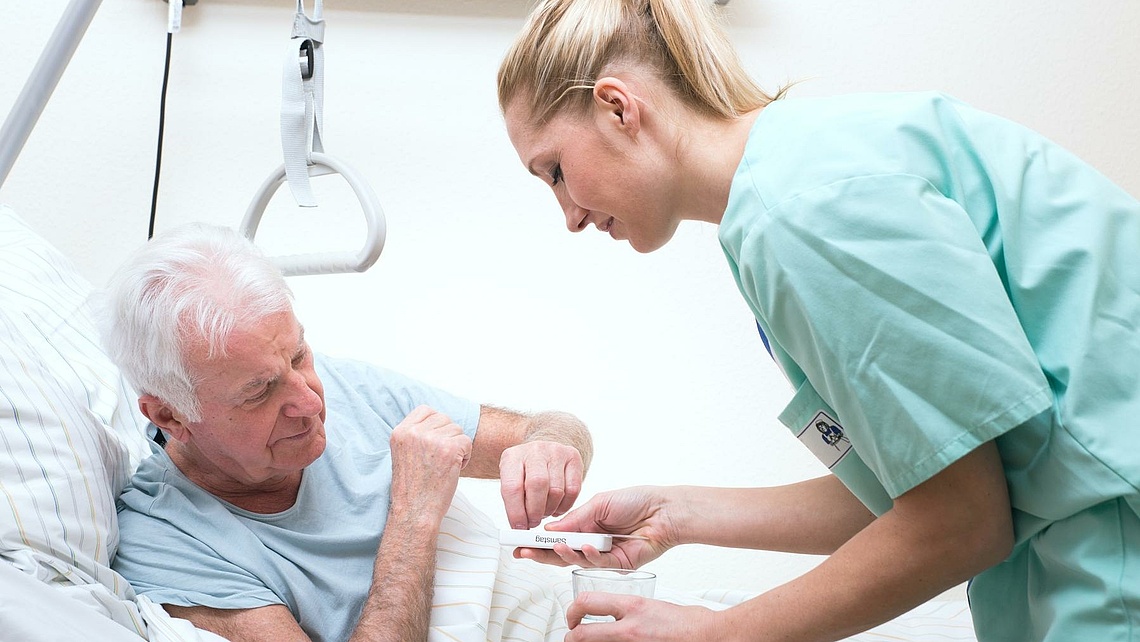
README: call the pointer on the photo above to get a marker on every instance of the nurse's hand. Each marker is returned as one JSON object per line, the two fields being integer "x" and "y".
{"x": 638, "y": 618}
{"x": 644, "y": 511}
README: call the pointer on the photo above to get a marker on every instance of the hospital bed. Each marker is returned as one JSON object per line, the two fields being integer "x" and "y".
{"x": 71, "y": 436}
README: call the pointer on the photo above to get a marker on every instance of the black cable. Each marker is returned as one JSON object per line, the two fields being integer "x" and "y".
{"x": 161, "y": 128}
{"x": 160, "y": 438}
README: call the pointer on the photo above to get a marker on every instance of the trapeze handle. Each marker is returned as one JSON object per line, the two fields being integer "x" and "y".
{"x": 324, "y": 262}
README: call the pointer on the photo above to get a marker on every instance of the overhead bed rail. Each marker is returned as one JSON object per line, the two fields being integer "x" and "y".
{"x": 43, "y": 80}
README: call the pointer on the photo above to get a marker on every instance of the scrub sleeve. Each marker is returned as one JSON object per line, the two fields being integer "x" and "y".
{"x": 872, "y": 321}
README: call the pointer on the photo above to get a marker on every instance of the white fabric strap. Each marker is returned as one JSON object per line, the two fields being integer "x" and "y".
{"x": 174, "y": 16}
{"x": 302, "y": 100}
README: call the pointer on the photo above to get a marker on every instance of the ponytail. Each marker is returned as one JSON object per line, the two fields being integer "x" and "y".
{"x": 567, "y": 45}
{"x": 708, "y": 72}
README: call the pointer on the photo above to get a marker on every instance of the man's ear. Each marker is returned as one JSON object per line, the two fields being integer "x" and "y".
{"x": 617, "y": 105}
{"x": 162, "y": 415}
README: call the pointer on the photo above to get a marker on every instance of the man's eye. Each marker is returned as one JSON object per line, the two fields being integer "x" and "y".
{"x": 556, "y": 175}
{"x": 259, "y": 396}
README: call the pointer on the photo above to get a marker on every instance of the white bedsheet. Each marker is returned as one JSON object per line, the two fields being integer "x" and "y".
{"x": 528, "y": 601}
{"x": 482, "y": 594}
{"x": 934, "y": 621}
{"x": 32, "y": 610}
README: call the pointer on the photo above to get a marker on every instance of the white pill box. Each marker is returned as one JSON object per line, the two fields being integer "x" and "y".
{"x": 547, "y": 539}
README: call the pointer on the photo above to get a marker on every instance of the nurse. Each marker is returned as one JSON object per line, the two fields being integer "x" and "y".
{"x": 954, "y": 295}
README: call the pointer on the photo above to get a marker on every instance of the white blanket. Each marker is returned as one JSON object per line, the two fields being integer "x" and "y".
{"x": 482, "y": 594}
{"x": 528, "y": 601}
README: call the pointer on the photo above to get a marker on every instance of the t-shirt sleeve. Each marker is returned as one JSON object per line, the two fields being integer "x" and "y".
{"x": 171, "y": 565}
{"x": 390, "y": 394}
{"x": 882, "y": 290}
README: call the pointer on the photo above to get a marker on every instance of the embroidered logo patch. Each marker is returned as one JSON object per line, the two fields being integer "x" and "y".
{"x": 824, "y": 437}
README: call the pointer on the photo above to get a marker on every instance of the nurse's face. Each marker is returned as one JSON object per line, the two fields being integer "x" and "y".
{"x": 599, "y": 175}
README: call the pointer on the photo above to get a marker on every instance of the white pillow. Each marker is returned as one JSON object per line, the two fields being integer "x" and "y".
{"x": 70, "y": 433}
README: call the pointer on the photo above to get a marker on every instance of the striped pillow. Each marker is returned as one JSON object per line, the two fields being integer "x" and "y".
{"x": 70, "y": 435}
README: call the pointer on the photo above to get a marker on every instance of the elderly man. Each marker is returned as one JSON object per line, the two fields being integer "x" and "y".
{"x": 297, "y": 496}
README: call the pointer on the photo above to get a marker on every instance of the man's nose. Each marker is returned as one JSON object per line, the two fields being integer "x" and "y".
{"x": 303, "y": 399}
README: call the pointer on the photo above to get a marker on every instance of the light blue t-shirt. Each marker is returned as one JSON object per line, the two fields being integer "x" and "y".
{"x": 179, "y": 545}
{"x": 931, "y": 277}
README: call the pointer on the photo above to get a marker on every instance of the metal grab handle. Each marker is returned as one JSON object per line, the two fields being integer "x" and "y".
{"x": 324, "y": 262}
{"x": 41, "y": 83}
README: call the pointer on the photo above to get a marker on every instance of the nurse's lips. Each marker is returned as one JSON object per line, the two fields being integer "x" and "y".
{"x": 605, "y": 225}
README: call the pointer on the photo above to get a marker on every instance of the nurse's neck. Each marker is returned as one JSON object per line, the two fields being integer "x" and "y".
{"x": 715, "y": 147}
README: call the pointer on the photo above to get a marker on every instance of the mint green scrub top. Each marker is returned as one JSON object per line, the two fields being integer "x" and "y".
{"x": 930, "y": 277}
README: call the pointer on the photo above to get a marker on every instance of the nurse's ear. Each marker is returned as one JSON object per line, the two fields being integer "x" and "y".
{"x": 617, "y": 106}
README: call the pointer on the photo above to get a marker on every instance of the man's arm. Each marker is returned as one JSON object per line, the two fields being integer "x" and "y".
{"x": 428, "y": 451}
{"x": 398, "y": 607}
{"x": 265, "y": 624}
{"x": 398, "y": 604}
{"x": 540, "y": 458}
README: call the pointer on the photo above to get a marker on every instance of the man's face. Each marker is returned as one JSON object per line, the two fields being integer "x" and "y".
{"x": 263, "y": 406}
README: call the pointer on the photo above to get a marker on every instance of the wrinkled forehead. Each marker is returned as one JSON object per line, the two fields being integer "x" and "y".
{"x": 255, "y": 356}
{"x": 248, "y": 339}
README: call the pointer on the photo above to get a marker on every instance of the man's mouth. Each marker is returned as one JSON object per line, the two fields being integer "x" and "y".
{"x": 299, "y": 436}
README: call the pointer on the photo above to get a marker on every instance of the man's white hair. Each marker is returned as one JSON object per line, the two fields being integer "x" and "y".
{"x": 188, "y": 286}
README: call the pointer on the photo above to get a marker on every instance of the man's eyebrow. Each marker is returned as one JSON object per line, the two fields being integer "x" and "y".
{"x": 300, "y": 342}
{"x": 256, "y": 384}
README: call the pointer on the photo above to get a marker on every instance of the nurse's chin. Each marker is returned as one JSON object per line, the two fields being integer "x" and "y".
{"x": 643, "y": 246}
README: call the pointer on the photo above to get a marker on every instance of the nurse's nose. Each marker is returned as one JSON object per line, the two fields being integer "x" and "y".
{"x": 577, "y": 218}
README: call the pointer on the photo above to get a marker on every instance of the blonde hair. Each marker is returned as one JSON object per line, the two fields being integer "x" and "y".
{"x": 567, "y": 45}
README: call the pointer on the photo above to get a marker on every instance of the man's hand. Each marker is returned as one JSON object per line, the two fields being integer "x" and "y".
{"x": 428, "y": 452}
{"x": 539, "y": 458}
{"x": 539, "y": 479}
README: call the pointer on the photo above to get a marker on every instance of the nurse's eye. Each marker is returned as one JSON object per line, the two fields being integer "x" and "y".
{"x": 556, "y": 175}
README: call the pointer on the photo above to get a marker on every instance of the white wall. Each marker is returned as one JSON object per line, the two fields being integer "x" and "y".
{"x": 480, "y": 289}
